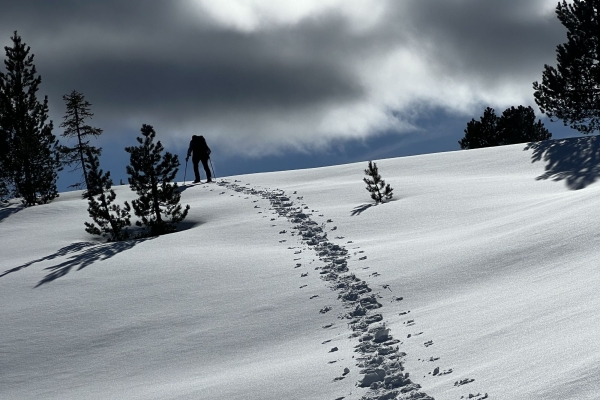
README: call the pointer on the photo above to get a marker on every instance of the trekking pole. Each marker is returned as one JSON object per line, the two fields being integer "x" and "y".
{"x": 211, "y": 167}
{"x": 185, "y": 173}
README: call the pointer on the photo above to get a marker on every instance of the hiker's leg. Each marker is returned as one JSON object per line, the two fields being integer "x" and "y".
{"x": 206, "y": 168}
{"x": 196, "y": 171}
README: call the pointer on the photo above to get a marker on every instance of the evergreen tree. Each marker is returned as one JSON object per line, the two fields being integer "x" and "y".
{"x": 110, "y": 220}
{"x": 31, "y": 158}
{"x": 515, "y": 125}
{"x": 481, "y": 133}
{"x": 375, "y": 185}
{"x": 78, "y": 110}
{"x": 4, "y": 175}
{"x": 150, "y": 176}
{"x": 571, "y": 91}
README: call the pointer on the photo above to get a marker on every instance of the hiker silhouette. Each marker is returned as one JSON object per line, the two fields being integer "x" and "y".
{"x": 199, "y": 151}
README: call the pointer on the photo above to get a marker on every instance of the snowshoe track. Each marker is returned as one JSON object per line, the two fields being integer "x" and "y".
{"x": 378, "y": 356}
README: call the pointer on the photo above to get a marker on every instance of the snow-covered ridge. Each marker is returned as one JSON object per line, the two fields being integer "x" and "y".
{"x": 479, "y": 278}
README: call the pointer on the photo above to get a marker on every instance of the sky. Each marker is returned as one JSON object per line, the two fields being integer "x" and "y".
{"x": 278, "y": 85}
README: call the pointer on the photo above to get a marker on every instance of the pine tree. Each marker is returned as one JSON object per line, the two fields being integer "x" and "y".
{"x": 481, "y": 133}
{"x": 31, "y": 160}
{"x": 150, "y": 176}
{"x": 4, "y": 175}
{"x": 78, "y": 111}
{"x": 571, "y": 91}
{"x": 515, "y": 125}
{"x": 375, "y": 185}
{"x": 110, "y": 220}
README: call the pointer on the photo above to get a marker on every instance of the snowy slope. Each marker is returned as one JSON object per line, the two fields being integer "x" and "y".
{"x": 485, "y": 267}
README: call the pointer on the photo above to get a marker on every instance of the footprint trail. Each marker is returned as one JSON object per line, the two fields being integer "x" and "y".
{"x": 378, "y": 357}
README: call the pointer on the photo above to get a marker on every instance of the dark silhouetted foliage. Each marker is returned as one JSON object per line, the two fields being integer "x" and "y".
{"x": 375, "y": 185}
{"x": 151, "y": 176}
{"x": 74, "y": 123}
{"x": 571, "y": 91}
{"x": 111, "y": 221}
{"x": 4, "y": 164}
{"x": 30, "y": 159}
{"x": 482, "y": 133}
{"x": 515, "y": 125}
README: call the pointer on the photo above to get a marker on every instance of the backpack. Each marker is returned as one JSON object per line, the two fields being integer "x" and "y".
{"x": 200, "y": 147}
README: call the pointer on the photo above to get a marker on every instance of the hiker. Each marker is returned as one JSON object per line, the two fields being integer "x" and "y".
{"x": 201, "y": 152}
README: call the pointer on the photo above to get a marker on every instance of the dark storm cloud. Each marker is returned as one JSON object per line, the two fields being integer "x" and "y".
{"x": 134, "y": 59}
{"x": 49, "y": 17}
{"x": 208, "y": 71}
{"x": 488, "y": 38}
{"x": 143, "y": 56}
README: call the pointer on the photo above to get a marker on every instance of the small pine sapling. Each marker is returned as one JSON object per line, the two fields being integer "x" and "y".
{"x": 110, "y": 220}
{"x": 375, "y": 185}
{"x": 151, "y": 176}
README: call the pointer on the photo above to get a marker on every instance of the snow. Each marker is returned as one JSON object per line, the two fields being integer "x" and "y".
{"x": 492, "y": 252}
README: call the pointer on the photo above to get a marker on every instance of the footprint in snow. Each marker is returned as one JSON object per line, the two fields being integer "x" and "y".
{"x": 477, "y": 396}
{"x": 463, "y": 382}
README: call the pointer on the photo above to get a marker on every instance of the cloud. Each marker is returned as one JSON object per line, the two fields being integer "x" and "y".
{"x": 259, "y": 77}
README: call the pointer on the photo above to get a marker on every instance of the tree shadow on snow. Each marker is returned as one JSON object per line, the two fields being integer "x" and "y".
{"x": 360, "y": 209}
{"x": 364, "y": 207}
{"x": 9, "y": 208}
{"x": 186, "y": 186}
{"x": 574, "y": 160}
{"x": 187, "y": 224}
{"x": 80, "y": 255}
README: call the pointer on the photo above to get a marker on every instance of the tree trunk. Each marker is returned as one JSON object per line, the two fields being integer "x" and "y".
{"x": 85, "y": 175}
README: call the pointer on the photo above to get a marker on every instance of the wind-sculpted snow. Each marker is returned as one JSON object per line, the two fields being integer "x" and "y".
{"x": 378, "y": 355}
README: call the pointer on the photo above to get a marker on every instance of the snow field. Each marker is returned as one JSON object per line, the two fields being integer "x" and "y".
{"x": 485, "y": 273}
